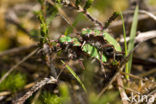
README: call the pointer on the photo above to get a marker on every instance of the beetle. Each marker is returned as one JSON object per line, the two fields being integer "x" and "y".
{"x": 103, "y": 41}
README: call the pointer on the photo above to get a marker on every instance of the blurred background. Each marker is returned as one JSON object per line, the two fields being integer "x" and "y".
{"x": 18, "y": 21}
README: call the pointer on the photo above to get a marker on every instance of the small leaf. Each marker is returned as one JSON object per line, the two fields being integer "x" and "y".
{"x": 88, "y": 4}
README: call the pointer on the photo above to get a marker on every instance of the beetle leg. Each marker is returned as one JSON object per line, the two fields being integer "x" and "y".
{"x": 101, "y": 64}
{"x": 83, "y": 44}
{"x": 81, "y": 63}
{"x": 67, "y": 47}
{"x": 114, "y": 55}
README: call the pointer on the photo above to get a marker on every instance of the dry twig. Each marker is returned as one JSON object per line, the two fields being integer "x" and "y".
{"x": 136, "y": 77}
{"x": 144, "y": 36}
{"x": 153, "y": 96}
{"x": 149, "y": 14}
{"x": 121, "y": 90}
{"x": 37, "y": 86}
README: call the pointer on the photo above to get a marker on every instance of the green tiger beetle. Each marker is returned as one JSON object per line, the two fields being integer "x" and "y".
{"x": 103, "y": 41}
{"x": 70, "y": 45}
{"x": 102, "y": 37}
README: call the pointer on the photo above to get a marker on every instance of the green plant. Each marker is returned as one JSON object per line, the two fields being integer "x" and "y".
{"x": 132, "y": 38}
{"x": 109, "y": 97}
{"x": 75, "y": 75}
{"x": 64, "y": 92}
{"x": 49, "y": 98}
{"x": 14, "y": 82}
{"x": 125, "y": 42}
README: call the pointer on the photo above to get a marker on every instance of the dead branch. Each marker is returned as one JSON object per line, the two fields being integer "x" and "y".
{"x": 144, "y": 36}
{"x": 121, "y": 90}
{"x": 136, "y": 77}
{"x": 129, "y": 89}
{"x": 152, "y": 71}
{"x": 37, "y": 86}
{"x": 148, "y": 13}
{"x": 151, "y": 62}
{"x": 153, "y": 96}
{"x": 6, "y": 93}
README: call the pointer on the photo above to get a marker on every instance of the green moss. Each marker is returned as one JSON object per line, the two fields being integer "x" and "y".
{"x": 64, "y": 91}
{"x": 14, "y": 82}
{"x": 111, "y": 97}
{"x": 48, "y": 98}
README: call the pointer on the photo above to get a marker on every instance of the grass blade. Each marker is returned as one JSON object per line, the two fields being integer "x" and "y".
{"x": 125, "y": 42}
{"x": 132, "y": 37}
{"x": 75, "y": 75}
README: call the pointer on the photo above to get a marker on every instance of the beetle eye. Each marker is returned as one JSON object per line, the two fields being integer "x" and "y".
{"x": 109, "y": 51}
